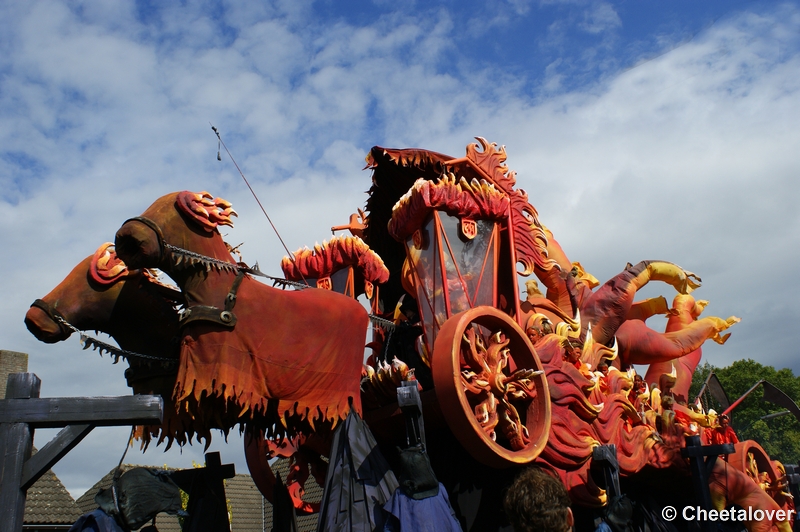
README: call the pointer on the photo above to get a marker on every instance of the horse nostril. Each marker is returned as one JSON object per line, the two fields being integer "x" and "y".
{"x": 126, "y": 247}
{"x": 42, "y": 327}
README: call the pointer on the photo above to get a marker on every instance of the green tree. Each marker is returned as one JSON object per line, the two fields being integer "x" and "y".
{"x": 780, "y": 437}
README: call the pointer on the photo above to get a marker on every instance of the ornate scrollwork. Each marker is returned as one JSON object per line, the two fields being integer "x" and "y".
{"x": 530, "y": 240}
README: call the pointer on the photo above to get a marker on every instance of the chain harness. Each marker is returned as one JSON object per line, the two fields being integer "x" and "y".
{"x": 88, "y": 341}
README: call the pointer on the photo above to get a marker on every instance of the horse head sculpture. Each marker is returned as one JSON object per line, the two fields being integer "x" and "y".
{"x": 101, "y": 293}
{"x": 288, "y": 363}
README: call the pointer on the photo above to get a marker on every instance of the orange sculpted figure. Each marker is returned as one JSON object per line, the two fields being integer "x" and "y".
{"x": 681, "y": 343}
{"x": 722, "y": 433}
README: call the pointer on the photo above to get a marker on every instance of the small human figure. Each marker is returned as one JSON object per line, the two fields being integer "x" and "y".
{"x": 639, "y": 385}
{"x": 538, "y": 502}
{"x": 640, "y": 397}
{"x": 572, "y": 353}
{"x": 532, "y": 291}
{"x": 537, "y": 327}
{"x": 602, "y": 376}
{"x": 723, "y": 433}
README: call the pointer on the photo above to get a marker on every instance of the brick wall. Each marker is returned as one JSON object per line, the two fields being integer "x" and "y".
{"x": 11, "y": 362}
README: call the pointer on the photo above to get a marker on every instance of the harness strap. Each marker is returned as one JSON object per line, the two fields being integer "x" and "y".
{"x": 53, "y": 314}
{"x": 225, "y": 318}
{"x": 156, "y": 229}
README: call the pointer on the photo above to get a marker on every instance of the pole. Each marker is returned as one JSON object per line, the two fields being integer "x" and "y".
{"x": 742, "y": 398}
{"x": 16, "y": 441}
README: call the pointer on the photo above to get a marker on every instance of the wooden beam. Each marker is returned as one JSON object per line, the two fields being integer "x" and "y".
{"x": 51, "y": 453}
{"x": 99, "y": 411}
{"x": 16, "y": 442}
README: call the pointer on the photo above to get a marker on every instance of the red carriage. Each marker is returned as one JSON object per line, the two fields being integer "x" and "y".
{"x": 453, "y": 251}
{"x": 444, "y": 241}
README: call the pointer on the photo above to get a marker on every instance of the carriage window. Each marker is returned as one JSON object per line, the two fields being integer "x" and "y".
{"x": 342, "y": 281}
{"x": 426, "y": 263}
{"x": 470, "y": 263}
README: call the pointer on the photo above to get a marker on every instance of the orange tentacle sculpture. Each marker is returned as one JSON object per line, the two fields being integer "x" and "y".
{"x": 730, "y": 486}
{"x": 608, "y": 307}
{"x": 679, "y": 345}
{"x": 640, "y": 344}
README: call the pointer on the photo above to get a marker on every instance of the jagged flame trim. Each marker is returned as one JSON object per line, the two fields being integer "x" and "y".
{"x": 455, "y": 195}
{"x": 332, "y": 255}
{"x": 201, "y": 395}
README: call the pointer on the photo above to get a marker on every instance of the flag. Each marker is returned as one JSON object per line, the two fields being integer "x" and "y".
{"x": 778, "y": 397}
{"x": 717, "y": 392}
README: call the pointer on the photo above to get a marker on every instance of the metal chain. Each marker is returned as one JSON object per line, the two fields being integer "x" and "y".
{"x": 89, "y": 341}
{"x": 386, "y": 324}
{"x": 287, "y": 282}
{"x": 203, "y": 258}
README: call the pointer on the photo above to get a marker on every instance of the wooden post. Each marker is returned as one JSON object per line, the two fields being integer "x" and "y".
{"x": 207, "y": 507}
{"x": 22, "y": 411}
{"x": 16, "y": 441}
{"x": 701, "y": 462}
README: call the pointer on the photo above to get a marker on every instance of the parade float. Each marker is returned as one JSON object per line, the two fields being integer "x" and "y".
{"x": 505, "y": 378}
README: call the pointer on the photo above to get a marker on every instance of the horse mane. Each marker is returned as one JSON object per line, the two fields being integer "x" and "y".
{"x": 106, "y": 268}
{"x": 205, "y": 209}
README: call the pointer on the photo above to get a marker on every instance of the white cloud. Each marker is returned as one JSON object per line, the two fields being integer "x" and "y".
{"x": 689, "y": 157}
{"x": 600, "y": 17}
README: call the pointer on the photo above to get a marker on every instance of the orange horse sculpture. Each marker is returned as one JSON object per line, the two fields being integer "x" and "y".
{"x": 287, "y": 361}
{"x": 102, "y": 294}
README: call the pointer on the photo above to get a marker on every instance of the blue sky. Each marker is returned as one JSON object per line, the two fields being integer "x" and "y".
{"x": 641, "y": 130}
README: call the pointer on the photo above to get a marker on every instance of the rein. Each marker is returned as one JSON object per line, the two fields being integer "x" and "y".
{"x": 88, "y": 341}
{"x": 209, "y": 262}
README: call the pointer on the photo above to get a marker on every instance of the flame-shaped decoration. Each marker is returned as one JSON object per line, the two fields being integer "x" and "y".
{"x": 530, "y": 240}
{"x": 333, "y": 255}
{"x": 474, "y": 199}
{"x": 205, "y": 209}
{"x": 106, "y": 268}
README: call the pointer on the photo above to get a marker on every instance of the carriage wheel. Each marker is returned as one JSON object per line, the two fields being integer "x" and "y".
{"x": 489, "y": 387}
